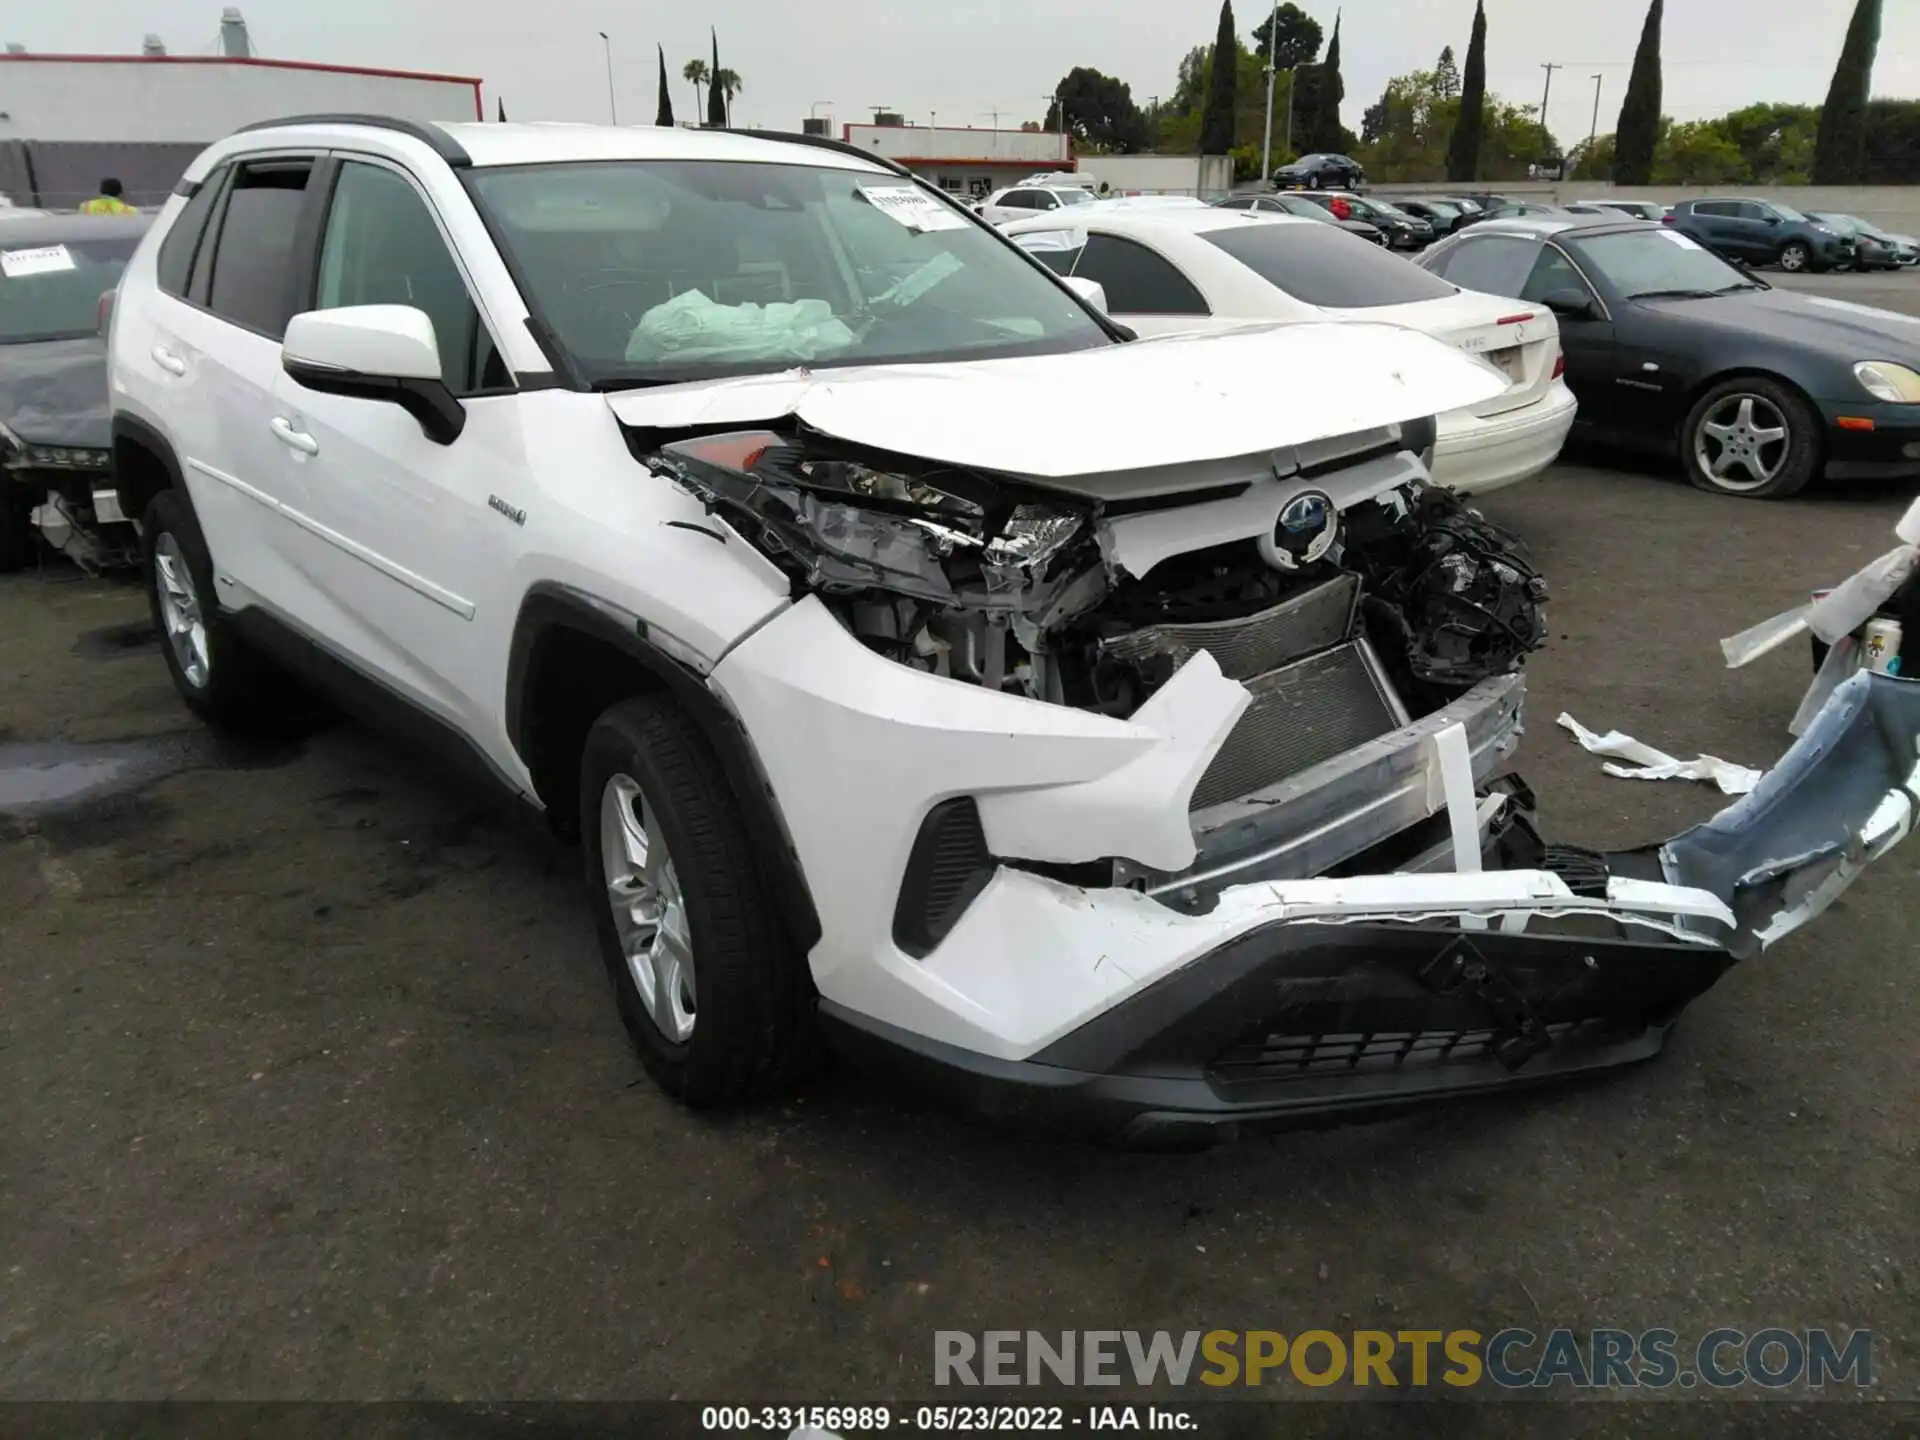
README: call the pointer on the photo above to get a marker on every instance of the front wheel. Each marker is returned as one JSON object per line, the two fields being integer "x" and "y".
{"x": 1795, "y": 257}
{"x": 713, "y": 993}
{"x": 1751, "y": 437}
{"x": 1313, "y": 182}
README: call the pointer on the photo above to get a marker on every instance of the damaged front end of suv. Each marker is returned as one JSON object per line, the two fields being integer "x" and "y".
{"x": 1167, "y": 799}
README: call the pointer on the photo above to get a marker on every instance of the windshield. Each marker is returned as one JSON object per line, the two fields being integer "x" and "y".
{"x": 1785, "y": 212}
{"x": 52, "y": 291}
{"x": 1323, "y": 265}
{"x": 1384, "y": 208}
{"x": 1658, "y": 262}
{"x": 662, "y": 271}
{"x": 1074, "y": 197}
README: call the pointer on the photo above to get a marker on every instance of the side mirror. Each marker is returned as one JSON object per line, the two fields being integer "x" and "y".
{"x": 1773, "y": 219}
{"x": 1091, "y": 291}
{"x": 375, "y": 352}
{"x": 1570, "y": 304}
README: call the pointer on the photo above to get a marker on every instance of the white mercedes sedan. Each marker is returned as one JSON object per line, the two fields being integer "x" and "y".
{"x": 1175, "y": 270}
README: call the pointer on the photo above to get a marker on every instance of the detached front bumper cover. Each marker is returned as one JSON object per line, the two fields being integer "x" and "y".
{"x": 1377, "y": 994}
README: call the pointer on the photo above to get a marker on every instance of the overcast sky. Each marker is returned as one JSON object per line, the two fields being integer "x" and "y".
{"x": 964, "y": 59}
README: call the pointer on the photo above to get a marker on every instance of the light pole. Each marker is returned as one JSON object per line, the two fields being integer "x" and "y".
{"x": 1549, "y": 67}
{"x": 1266, "y": 132}
{"x": 1593, "y": 135}
{"x": 613, "y": 111}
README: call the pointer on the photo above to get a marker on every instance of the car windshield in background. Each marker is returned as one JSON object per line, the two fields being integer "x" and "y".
{"x": 1075, "y": 197}
{"x": 1660, "y": 262}
{"x": 52, "y": 291}
{"x": 1325, "y": 266}
{"x": 1785, "y": 212}
{"x": 661, "y": 271}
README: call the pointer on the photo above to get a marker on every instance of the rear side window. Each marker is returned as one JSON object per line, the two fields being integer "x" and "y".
{"x": 1324, "y": 265}
{"x": 253, "y": 281}
{"x": 175, "y": 263}
{"x": 1137, "y": 281}
{"x": 1496, "y": 265}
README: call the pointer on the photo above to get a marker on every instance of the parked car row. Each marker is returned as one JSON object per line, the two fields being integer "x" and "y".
{"x": 1668, "y": 346}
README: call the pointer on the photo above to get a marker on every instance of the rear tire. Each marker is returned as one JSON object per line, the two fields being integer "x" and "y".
{"x": 16, "y": 529}
{"x": 713, "y": 993}
{"x": 218, "y": 676}
{"x": 1731, "y": 428}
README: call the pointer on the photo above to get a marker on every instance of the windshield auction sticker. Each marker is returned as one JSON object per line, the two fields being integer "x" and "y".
{"x": 912, "y": 207}
{"x": 46, "y": 260}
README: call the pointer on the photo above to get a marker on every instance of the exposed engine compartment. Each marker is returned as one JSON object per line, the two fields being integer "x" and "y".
{"x": 1004, "y": 583}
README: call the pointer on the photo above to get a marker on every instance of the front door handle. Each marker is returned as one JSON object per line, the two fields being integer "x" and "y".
{"x": 284, "y": 432}
{"x": 168, "y": 361}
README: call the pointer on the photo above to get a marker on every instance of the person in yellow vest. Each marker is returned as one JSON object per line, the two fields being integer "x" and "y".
{"x": 108, "y": 201}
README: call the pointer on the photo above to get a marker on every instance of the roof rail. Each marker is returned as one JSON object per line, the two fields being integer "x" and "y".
{"x": 825, "y": 142}
{"x": 444, "y": 145}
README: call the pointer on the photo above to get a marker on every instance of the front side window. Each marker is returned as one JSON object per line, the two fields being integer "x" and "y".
{"x": 381, "y": 247}
{"x": 1137, "y": 281}
{"x": 1324, "y": 265}
{"x": 50, "y": 289}
{"x": 1492, "y": 264}
{"x": 660, "y": 271}
{"x": 253, "y": 282}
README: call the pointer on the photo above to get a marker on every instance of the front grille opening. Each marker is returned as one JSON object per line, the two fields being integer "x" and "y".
{"x": 1266, "y": 1058}
{"x": 948, "y": 866}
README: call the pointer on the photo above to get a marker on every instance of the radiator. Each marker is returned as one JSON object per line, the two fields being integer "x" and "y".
{"x": 1302, "y": 713}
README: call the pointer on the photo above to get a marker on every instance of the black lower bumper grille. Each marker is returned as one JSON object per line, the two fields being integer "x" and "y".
{"x": 1270, "y": 1058}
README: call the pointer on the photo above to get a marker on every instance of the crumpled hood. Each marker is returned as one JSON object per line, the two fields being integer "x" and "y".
{"x": 54, "y": 392}
{"x": 1164, "y": 403}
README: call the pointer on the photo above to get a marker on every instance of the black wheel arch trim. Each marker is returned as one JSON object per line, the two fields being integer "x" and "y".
{"x": 549, "y": 605}
{"x": 135, "y": 431}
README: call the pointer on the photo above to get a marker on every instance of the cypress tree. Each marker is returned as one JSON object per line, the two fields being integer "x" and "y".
{"x": 1639, "y": 128}
{"x": 1463, "y": 149}
{"x": 1328, "y": 94}
{"x": 1216, "y": 118}
{"x": 663, "y": 111}
{"x": 1840, "y": 152}
{"x": 716, "y": 102}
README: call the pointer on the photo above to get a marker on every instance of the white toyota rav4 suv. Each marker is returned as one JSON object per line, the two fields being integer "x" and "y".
{"x": 729, "y": 499}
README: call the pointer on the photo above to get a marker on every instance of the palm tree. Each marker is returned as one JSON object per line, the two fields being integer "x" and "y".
{"x": 697, "y": 72}
{"x": 730, "y": 85}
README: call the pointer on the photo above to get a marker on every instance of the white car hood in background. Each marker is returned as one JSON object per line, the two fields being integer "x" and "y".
{"x": 1148, "y": 404}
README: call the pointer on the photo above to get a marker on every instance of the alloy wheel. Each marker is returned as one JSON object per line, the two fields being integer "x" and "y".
{"x": 1793, "y": 259}
{"x": 649, "y": 910}
{"x": 1743, "y": 442}
{"x": 181, "y": 613}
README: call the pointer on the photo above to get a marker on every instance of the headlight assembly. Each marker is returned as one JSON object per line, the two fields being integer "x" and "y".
{"x": 1884, "y": 380}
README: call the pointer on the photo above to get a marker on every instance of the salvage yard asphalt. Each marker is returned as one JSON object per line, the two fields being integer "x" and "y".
{"x": 314, "y": 1089}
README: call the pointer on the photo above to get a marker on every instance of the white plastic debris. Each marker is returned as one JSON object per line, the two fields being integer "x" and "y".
{"x": 1648, "y": 763}
{"x": 1841, "y": 611}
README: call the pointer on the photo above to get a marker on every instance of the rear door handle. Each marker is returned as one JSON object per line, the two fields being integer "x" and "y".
{"x": 299, "y": 439}
{"x": 168, "y": 361}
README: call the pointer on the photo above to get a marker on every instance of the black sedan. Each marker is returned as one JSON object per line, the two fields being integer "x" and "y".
{"x": 54, "y": 436}
{"x": 1669, "y": 346}
{"x": 1320, "y": 172}
{"x": 1300, "y": 205}
{"x": 1445, "y": 216}
{"x": 1403, "y": 231}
